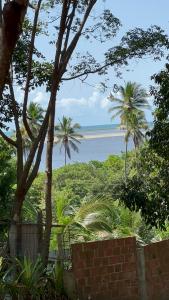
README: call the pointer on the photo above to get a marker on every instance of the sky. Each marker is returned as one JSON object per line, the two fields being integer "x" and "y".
{"x": 83, "y": 102}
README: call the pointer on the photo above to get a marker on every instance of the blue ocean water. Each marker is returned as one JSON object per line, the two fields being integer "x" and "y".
{"x": 98, "y": 148}
{"x": 91, "y": 149}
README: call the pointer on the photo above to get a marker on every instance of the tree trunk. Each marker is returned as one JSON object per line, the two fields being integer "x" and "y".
{"x": 65, "y": 156}
{"x": 125, "y": 167}
{"x": 10, "y": 28}
{"x": 48, "y": 185}
{"x": 15, "y": 229}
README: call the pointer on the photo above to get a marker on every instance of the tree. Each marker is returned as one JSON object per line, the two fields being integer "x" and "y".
{"x": 147, "y": 188}
{"x": 159, "y": 141}
{"x": 67, "y": 136}
{"x": 31, "y": 70}
{"x": 135, "y": 129}
{"x": 35, "y": 115}
{"x": 129, "y": 108}
{"x": 11, "y": 19}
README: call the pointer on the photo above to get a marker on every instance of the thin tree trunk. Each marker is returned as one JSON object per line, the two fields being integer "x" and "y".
{"x": 125, "y": 167}
{"x": 65, "y": 156}
{"x": 48, "y": 185}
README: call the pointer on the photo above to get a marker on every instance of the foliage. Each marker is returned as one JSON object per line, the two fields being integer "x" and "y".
{"x": 130, "y": 109}
{"x": 24, "y": 279}
{"x": 147, "y": 187}
{"x": 96, "y": 192}
{"x": 82, "y": 179}
{"x": 34, "y": 201}
{"x": 7, "y": 179}
{"x": 159, "y": 141}
{"x": 35, "y": 114}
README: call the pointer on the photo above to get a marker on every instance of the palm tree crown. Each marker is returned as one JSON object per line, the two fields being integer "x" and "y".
{"x": 35, "y": 114}
{"x": 67, "y": 135}
{"x": 130, "y": 109}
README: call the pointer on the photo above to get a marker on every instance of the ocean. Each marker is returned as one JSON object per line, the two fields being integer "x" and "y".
{"x": 99, "y": 142}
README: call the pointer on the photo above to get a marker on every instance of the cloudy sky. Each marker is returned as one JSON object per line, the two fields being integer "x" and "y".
{"x": 84, "y": 102}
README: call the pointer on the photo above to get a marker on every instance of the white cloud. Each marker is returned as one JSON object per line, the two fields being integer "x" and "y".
{"x": 93, "y": 101}
{"x": 68, "y": 102}
{"x": 105, "y": 103}
{"x": 40, "y": 98}
{"x": 94, "y": 98}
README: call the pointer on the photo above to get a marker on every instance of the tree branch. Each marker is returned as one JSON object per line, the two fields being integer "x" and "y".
{"x": 7, "y": 139}
{"x": 18, "y": 133}
{"x": 68, "y": 27}
{"x": 74, "y": 41}
{"x": 30, "y": 58}
{"x": 35, "y": 169}
{"x": 97, "y": 70}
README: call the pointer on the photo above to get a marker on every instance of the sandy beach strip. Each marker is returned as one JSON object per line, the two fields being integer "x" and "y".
{"x": 99, "y": 136}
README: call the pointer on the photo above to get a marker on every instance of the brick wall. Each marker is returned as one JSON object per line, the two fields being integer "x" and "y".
{"x": 106, "y": 270}
{"x": 157, "y": 270}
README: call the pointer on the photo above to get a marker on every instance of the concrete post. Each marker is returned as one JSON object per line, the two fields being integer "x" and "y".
{"x": 141, "y": 273}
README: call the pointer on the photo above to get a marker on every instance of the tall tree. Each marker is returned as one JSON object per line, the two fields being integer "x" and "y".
{"x": 67, "y": 136}
{"x": 129, "y": 108}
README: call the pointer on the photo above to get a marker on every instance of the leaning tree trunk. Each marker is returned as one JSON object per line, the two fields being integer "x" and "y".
{"x": 48, "y": 185}
{"x": 11, "y": 20}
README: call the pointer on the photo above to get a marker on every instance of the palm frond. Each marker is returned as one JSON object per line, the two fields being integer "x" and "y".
{"x": 73, "y": 146}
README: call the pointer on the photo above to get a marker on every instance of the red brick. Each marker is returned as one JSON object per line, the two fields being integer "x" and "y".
{"x": 108, "y": 251}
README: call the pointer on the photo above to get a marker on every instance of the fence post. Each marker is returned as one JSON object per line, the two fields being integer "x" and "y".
{"x": 60, "y": 248}
{"x": 141, "y": 273}
{"x": 13, "y": 240}
{"x": 40, "y": 231}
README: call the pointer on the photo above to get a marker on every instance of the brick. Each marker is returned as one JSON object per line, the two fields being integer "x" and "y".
{"x": 118, "y": 268}
{"x": 130, "y": 241}
{"x": 115, "y": 259}
{"x": 108, "y": 251}
{"x": 129, "y": 267}
{"x": 116, "y": 251}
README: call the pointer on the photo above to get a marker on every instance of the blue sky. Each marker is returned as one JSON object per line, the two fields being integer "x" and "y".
{"x": 83, "y": 102}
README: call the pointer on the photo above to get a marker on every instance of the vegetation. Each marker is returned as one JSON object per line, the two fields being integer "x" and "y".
{"x": 92, "y": 202}
{"x": 35, "y": 114}
{"x": 31, "y": 281}
{"x": 159, "y": 134}
{"x": 7, "y": 180}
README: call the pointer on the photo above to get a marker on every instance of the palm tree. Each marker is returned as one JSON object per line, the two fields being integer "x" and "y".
{"x": 98, "y": 218}
{"x": 35, "y": 118}
{"x": 135, "y": 127}
{"x": 67, "y": 136}
{"x": 130, "y": 109}
{"x": 35, "y": 114}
